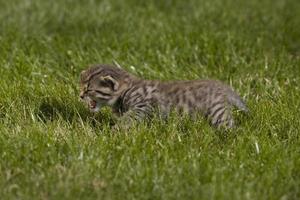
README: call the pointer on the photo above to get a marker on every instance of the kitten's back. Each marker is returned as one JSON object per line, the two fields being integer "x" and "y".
{"x": 213, "y": 98}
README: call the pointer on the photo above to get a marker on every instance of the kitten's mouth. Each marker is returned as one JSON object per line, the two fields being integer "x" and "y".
{"x": 93, "y": 105}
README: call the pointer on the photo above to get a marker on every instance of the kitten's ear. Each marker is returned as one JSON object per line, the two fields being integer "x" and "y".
{"x": 82, "y": 75}
{"x": 113, "y": 83}
{"x": 82, "y": 72}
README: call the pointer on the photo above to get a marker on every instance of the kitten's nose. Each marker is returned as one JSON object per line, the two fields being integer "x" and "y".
{"x": 81, "y": 95}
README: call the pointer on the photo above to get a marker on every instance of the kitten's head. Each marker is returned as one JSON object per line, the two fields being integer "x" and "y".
{"x": 102, "y": 85}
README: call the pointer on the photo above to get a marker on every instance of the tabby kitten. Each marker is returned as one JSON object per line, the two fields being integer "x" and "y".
{"x": 133, "y": 98}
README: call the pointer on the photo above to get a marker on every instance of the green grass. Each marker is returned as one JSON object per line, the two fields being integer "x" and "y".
{"x": 51, "y": 147}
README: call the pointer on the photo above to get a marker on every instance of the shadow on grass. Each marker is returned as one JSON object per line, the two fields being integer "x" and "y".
{"x": 52, "y": 109}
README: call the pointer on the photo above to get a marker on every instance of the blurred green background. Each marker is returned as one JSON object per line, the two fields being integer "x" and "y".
{"x": 51, "y": 147}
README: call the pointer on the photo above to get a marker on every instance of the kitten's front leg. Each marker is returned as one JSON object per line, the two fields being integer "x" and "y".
{"x": 125, "y": 121}
{"x": 132, "y": 117}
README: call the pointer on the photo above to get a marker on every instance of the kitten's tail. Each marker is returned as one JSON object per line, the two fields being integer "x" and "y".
{"x": 235, "y": 100}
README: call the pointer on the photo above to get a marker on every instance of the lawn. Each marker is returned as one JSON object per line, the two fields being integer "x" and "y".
{"x": 51, "y": 147}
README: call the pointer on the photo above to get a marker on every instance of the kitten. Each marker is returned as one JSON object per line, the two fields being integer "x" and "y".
{"x": 133, "y": 98}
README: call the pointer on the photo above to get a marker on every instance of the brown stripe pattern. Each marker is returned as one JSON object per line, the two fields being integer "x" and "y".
{"x": 137, "y": 99}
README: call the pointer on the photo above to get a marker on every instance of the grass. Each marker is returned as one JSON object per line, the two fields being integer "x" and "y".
{"x": 51, "y": 147}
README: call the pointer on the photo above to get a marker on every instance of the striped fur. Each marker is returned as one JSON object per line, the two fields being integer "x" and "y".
{"x": 135, "y": 98}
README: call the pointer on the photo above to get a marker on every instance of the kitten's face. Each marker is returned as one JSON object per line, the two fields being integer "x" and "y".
{"x": 98, "y": 89}
{"x": 102, "y": 85}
